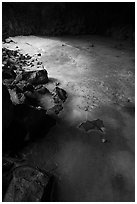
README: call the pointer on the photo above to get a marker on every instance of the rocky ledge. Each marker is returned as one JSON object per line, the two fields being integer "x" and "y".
{"x": 24, "y": 83}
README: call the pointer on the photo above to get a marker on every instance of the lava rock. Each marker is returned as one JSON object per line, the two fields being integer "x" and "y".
{"x": 20, "y": 86}
{"x": 6, "y": 175}
{"x": 55, "y": 110}
{"x": 40, "y": 89}
{"x": 28, "y": 185}
{"x": 16, "y": 96}
{"x": 8, "y": 83}
{"x": 28, "y": 87}
{"x": 59, "y": 94}
{"x": 36, "y": 77}
{"x": 8, "y": 73}
{"x": 18, "y": 77}
{"x": 23, "y": 86}
{"x": 21, "y": 98}
{"x": 7, "y": 108}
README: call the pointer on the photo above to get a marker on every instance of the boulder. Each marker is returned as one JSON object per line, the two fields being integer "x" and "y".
{"x": 59, "y": 94}
{"x": 28, "y": 184}
{"x": 36, "y": 77}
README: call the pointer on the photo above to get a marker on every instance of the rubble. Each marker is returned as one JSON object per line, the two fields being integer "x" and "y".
{"x": 25, "y": 86}
{"x": 26, "y": 77}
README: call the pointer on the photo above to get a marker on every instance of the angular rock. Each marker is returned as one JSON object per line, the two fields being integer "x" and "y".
{"x": 36, "y": 77}
{"x": 40, "y": 89}
{"x": 59, "y": 94}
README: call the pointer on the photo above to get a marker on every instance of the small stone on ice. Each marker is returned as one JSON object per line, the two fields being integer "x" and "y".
{"x": 103, "y": 140}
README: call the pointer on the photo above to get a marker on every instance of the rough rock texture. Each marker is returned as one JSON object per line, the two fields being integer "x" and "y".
{"x": 16, "y": 97}
{"x": 8, "y": 73}
{"x": 59, "y": 95}
{"x": 26, "y": 79}
{"x": 27, "y": 185}
{"x": 23, "y": 84}
{"x": 7, "y": 108}
{"x": 14, "y": 64}
{"x": 36, "y": 77}
{"x": 26, "y": 84}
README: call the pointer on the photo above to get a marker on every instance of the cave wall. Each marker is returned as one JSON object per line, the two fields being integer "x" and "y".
{"x": 66, "y": 18}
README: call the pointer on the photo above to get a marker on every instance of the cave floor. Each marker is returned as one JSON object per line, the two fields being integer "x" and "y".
{"x": 98, "y": 76}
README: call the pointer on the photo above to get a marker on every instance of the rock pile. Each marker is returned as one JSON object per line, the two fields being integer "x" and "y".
{"x": 26, "y": 79}
{"x": 23, "y": 118}
{"x": 25, "y": 121}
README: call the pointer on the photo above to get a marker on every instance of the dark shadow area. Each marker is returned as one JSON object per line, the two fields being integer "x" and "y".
{"x": 28, "y": 125}
{"x": 52, "y": 80}
{"x": 130, "y": 109}
{"x": 110, "y": 19}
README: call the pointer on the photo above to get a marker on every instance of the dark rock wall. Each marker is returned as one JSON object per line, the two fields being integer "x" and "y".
{"x": 68, "y": 18}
